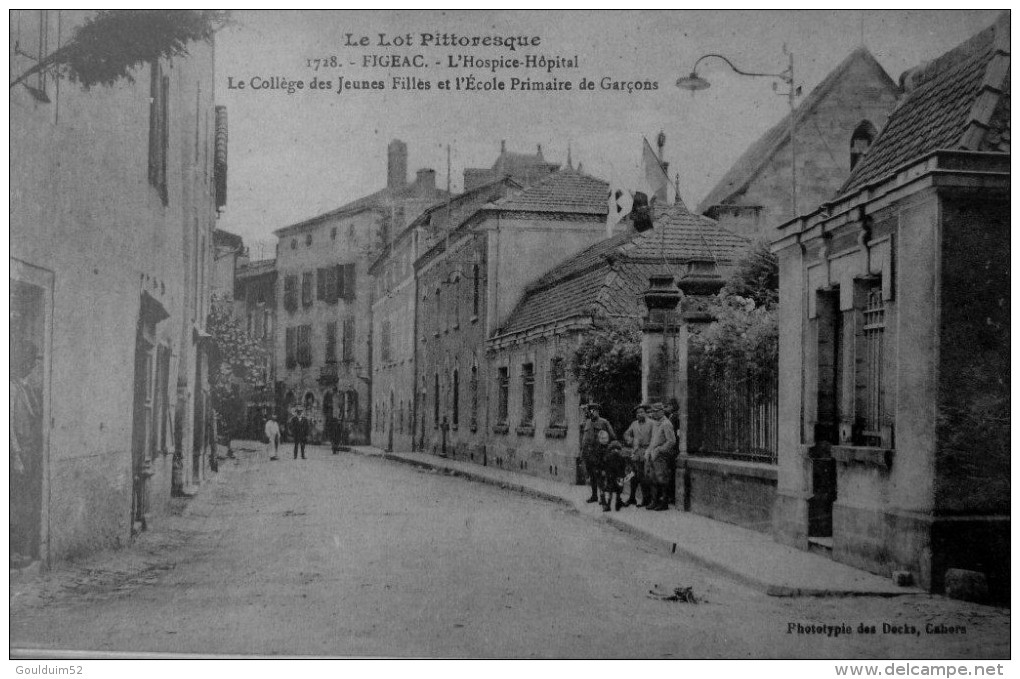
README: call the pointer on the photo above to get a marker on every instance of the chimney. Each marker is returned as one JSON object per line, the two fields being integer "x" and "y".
{"x": 396, "y": 165}
{"x": 539, "y": 150}
{"x": 502, "y": 146}
{"x": 425, "y": 181}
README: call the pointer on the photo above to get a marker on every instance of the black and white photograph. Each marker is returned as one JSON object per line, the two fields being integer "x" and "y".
{"x": 510, "y": 334}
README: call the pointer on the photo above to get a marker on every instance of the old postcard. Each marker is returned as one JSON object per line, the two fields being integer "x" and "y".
{"x": 510, "y": 334}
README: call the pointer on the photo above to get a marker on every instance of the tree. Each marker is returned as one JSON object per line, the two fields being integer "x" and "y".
{"x": 742, "y": 343}
{"x": 607, "y": 367}
{"x": 109, "y": 45}
{"x": 238, "y": 367}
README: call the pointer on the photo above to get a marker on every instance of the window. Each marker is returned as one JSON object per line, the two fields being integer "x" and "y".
{"x": 527, "y": 393}
{"x": 476, "y": 290}
{"x": 439, "y": 309}
{"x": 435, "y": 402}
{"x": 558, "y": 393}
{"x": 348, "y": 339}
{"x": 474, "y": 398}
{"x": 503, "y": 412}
{"x": 860, "y": 142}
{"x": 345, "y": 281}
{"x": 385, "y": 341}
{"x": 870, "y": 404}
{"x": 456, "y": 399}
{"x": 306, "y": 288}
{"x": 159, "y": 128}
{"x": 308, "y": 240}
{"x": 293, "y": 243}
{"x": 290, "y": 293}
{"x": 332, "y": 233}
{"x": 456, "y": 302}
{"x": 291, "y": 348}
{"x": 304, "y": 345}
{"x": 331, "y": 341}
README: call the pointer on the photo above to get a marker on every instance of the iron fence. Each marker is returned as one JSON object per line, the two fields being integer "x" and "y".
{"x": 732, "y": 418}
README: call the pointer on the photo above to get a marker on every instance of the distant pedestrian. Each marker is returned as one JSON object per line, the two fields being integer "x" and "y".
{"x": 333, "y": 431}
{"x": 299, "y": 426}
{"x": 660, "y": 455}
{"x": 596, "y": 434}
{"x": 614, "y": 466}
{"x": 637, "y": 437}
{"x": 272, "y": 438}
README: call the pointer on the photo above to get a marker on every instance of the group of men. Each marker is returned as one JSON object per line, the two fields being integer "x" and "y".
{"x": 645, "y": 457}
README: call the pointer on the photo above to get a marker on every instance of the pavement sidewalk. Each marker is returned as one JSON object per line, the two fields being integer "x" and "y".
{"x": 745, "y": 555}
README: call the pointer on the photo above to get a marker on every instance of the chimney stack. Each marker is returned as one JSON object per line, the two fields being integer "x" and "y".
{"x": 426, "y": 180}
{"x": 396, "y": 165}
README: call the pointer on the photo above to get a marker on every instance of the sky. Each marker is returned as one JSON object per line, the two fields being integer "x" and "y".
{"x": 293, "y": 156}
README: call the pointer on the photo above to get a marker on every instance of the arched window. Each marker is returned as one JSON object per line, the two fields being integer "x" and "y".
{"x": 860, "y": 142}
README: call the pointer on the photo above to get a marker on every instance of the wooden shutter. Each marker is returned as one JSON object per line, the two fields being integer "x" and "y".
{"x": 291, "y": 348}
{"x": 320, "y": 285}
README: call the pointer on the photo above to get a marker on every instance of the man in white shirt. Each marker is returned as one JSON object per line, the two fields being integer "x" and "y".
{"x": 272, "y": 438}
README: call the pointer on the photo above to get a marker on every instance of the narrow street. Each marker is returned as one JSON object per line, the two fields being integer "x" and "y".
{"x": 351, "y": 555}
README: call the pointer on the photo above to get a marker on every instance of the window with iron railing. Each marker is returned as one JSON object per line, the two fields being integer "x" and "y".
{"x": 870, "y": 404}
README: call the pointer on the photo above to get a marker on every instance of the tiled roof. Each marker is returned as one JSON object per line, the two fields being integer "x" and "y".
{"x": 378, "y": 199}
{"x": 256, "y": 268}
{"x": 959, "y": 101}
{"x": 587, "y": 283}
{"x": 563, "y": 191}
{"x": 759, "y": 153}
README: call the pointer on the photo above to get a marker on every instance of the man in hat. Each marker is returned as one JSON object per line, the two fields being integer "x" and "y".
{"x": 596, "y": 433}
{"x": 299, "y": 426}
{"x": 660, "y": 456}
{"x": 637, "y": 437}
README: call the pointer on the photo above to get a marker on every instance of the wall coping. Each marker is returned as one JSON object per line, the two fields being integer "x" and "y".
{"x": 758, "y": 470}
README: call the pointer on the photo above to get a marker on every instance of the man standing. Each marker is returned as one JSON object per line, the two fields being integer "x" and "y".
{"x": 272, "y": 438}
{"x": 660, "y": 457}
{"x": 596, "y": 433}
{"x": 637, "y": 437}
{"x": 299, "y": 425}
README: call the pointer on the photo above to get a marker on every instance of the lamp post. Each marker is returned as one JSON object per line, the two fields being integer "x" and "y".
{"x": 694, "y": 82}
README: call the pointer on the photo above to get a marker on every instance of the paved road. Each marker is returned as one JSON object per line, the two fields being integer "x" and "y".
{"x": 350, "y": 555}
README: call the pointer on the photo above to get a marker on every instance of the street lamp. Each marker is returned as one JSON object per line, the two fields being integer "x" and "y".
{"x": 694, "y": 83}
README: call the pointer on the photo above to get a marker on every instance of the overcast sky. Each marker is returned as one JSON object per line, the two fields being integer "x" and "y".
{"x": 295, "y": 156}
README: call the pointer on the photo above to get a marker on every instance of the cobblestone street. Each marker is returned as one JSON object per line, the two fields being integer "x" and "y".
{"x": 355, "y": 556}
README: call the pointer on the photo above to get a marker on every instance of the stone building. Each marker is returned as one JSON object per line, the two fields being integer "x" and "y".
{"x": 833, "y": 127}
{"x": 469, "y": 282}
{"x": 113, "y": 211}
{"x": 254, "y": 306}
{"x": 894, "y": 354}
{"x": 537, "y": 411}
{"x": 323, "y": 297}
{"x": 394, "y": 312}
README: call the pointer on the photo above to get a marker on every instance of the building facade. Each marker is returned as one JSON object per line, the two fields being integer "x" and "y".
{"x": 394, "y": 313}
{"x": 324, "y": 300}
{"x": 113, "y": 210}
{"x": 468, "y": 284}
{"x": 254, "y": 306}
{"x": 538, "y": 399}
{"x": 894, "y": 359}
